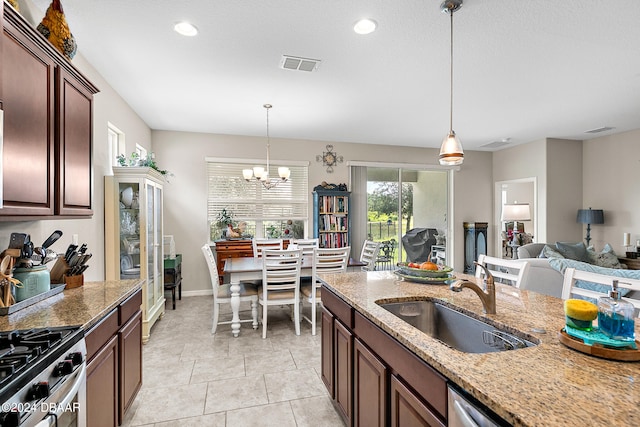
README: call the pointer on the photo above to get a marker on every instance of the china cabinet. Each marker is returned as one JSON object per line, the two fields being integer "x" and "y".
{"x": 133, "y": 236}
{"x": 331, "y": 220}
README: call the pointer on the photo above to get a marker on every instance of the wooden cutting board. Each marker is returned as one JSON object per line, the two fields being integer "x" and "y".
{"x": 625, "y": 355}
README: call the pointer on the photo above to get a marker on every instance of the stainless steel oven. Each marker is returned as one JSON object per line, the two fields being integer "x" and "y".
{"x": 43, "y": 378}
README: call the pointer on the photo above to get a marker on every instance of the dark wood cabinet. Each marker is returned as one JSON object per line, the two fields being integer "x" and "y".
{"x": 225, "y": 249}
{"x": 129, "y": 342}
{"x": 74, "y": 113}
{"x": 372, "y": 378}
{"x": 47, "y": 107}
{"x": 407, "y": 409}
{"x": 114, "y": 363}
{"x": 102, "y": 381}
{"x": 369, "y": 387}
{"x": 326, "y": 353}
{"x": 343, "y": 347}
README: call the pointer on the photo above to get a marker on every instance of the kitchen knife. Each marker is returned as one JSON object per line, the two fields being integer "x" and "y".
{"x": 70, "y": 250}
{"x": 52, "y": 239}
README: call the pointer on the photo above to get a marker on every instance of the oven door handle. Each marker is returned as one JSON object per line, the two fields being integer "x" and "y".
{"x": 80, "y": 377}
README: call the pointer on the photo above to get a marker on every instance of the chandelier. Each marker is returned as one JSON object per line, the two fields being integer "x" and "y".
{"x": 451, "y": 149}
{"x": 261, "y": 174}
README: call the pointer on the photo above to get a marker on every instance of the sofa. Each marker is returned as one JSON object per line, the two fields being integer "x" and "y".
{"x": 546, "y": 274}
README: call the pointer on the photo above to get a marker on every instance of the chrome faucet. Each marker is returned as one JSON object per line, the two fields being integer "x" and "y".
{"x": 487, "y": 297}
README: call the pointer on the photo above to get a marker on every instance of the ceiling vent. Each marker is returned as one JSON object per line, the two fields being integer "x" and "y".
{"x": 600, "y": 129}
{"x": 296, "y": 63}
{"x": 497, "y": 144}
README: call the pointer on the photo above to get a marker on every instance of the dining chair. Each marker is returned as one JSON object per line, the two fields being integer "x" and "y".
{"x": 510, "y": 272}
{"x": 280, "y": 283}
{"x": 369, "y": 254}
{"x": 307, "y": 245}
{"x": 386, "y": 255}
{"x": 325, "y": 260}
{"x": 260, "y": 244}
{"x": 222, "y": 293}
{"x": 585, "y": 284}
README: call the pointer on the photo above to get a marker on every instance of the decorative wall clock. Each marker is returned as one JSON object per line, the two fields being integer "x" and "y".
{"x": 329, "y": 158}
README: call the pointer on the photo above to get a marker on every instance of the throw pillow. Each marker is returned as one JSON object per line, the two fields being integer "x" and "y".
{"x": 576, "y": 251}
{"x": 550, "y": 252}
{"x": 606, "y": 258}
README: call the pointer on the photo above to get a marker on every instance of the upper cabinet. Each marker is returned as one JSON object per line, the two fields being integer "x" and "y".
{"x": 47, "y": 103}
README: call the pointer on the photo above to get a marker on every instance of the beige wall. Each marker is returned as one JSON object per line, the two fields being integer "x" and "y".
{"x": 184, "y": 154}
{"x": 610, "y": 182}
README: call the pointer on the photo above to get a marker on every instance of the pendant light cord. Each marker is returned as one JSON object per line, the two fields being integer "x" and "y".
{"x": 451, "y": 77}
{"x": 268, "y": 107}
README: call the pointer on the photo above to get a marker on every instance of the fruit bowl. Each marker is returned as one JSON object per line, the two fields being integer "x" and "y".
{"x": 442, "y": 271}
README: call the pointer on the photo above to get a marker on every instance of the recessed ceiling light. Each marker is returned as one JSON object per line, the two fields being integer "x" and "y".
{"x": 186, "y": 29}
{"x": 365, "y": 26}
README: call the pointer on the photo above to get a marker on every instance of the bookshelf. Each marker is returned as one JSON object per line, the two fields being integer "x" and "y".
{"x": 331, "y": 220}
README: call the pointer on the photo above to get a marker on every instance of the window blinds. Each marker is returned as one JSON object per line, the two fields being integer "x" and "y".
{"x": 250, "y": 200}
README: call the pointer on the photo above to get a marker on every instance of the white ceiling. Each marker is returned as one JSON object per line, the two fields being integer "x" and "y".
{"x": 524, "y": 70}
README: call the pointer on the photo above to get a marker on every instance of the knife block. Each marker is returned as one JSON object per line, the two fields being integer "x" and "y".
{"x": 74, "y": 281}
{"x": 59, "y": 270}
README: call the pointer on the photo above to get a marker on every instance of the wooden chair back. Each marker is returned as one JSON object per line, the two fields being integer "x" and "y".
{"x": 511, "y": 272}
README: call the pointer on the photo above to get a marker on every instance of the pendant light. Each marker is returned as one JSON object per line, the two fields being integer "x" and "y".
{"x": 451, "y": 152}
{"x": 260, "y": 173}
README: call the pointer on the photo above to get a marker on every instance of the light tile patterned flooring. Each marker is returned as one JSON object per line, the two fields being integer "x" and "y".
{"x": 193, "y": 378}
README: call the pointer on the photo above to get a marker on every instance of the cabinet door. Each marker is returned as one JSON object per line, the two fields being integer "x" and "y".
{"x": 73, "y": 182}
{"x": 130, "y": 342}
{"x": 343, "y": 347}
{"x": 326, "y": 368}
{"x": 369, "y": 387}
{"x": 407, "y": 410}
{"x": 28, "y": 103}
{"x": 102, "y": 386}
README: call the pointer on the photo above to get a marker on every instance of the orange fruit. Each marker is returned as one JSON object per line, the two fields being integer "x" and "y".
{"x": 427, "y": 265}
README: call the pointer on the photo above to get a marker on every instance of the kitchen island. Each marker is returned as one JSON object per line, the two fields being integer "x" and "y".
{"x": 545, "y": 385}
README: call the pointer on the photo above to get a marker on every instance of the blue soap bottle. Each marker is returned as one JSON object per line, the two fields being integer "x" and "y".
{"x": 615, "y": 316}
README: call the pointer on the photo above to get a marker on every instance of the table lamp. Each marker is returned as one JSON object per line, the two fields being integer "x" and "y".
{"x": 516, "y": 212}
{"x": 590, "y": 216}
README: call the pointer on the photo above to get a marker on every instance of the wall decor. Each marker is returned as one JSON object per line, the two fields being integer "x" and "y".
{"x": 329, "y": 158}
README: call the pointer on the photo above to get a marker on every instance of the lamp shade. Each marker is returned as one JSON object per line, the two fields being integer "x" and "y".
{"x": 516, "y": 212}
{"x": 590, "y": 216}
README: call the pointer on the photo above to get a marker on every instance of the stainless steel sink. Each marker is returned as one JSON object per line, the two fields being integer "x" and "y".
{"x": 456, "y": 329}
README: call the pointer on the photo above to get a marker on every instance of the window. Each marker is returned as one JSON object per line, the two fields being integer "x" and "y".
{"x": 116, "y": 143}
{"x": 279, "y": 212}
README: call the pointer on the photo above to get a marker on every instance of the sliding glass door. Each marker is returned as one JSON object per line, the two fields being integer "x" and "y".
{"x": 407, "y": 211}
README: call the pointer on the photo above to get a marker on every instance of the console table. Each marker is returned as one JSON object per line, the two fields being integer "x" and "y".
{"x": 631, "y": 263}
{"x": 173, "y": 277}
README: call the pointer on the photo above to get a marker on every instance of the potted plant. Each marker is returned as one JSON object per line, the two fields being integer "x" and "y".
{"x": 224, "y": 223}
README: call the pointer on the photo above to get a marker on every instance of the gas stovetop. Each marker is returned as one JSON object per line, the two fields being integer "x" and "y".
{"x": 26, "y": 353}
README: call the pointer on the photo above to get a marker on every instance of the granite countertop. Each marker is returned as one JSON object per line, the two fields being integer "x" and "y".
{"x": 545, "y": 385}
{"x": 83, "y": 306}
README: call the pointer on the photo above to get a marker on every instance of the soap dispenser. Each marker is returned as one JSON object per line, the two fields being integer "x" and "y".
{"x": 615, "y": 316}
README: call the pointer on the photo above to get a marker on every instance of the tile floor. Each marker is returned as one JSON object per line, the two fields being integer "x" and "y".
{"x": 193, "y": 378}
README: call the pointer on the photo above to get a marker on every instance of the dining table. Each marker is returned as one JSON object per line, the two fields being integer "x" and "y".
{"x": 250, "y": 269}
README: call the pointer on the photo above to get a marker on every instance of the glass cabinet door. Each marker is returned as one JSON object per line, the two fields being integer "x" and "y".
{"x": 158, "y": 247}
{"x": 151, "y": 225}
{"x": 129, "y": 227}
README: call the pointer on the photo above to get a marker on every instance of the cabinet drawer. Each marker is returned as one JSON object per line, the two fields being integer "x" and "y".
{"x": 338, "y": 307}
{"x": 129, "y": 307}
{"x": 101, "y": 333}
